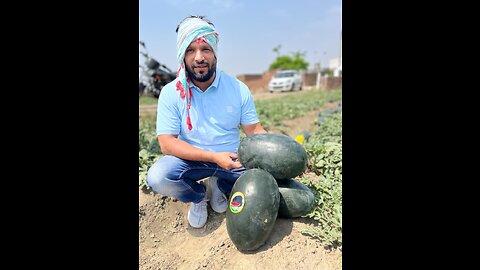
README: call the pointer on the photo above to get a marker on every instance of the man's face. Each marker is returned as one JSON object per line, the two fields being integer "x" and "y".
{"x": 200, "y": 61}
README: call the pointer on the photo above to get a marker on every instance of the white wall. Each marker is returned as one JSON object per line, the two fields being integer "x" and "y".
{"x": 334, "y": 63}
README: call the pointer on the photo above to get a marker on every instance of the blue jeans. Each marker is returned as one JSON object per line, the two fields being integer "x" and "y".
{"x": 175, "y": 177}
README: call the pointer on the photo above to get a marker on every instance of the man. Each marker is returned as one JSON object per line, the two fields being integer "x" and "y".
{"x": 198, "y": 119}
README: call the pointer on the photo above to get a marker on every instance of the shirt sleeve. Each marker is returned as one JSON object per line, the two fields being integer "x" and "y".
{"x": 249, "y": 113}
{"x": 168, "y": 115}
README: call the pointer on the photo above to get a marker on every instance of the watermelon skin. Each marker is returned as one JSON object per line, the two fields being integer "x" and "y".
{"x": 278, "y": 154}
{"x": 250, "y": 227}
{"x": 296, "y": 199}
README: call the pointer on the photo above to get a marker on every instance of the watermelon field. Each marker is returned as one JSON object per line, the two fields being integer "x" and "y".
{"x": 312, "y": 241}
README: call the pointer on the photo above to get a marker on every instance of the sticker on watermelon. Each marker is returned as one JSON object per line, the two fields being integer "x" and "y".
{"x": 237, "y": 202}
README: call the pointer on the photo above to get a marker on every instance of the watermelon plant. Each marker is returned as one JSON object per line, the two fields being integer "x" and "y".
{"x": 324, "y": 149}
{"x": 272, "y": 112}
{"x": 147, "y": 100}
{"x": 149, "y": 149}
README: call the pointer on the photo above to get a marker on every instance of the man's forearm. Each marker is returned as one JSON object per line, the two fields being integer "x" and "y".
{"x": 175, "y": 147}
{"x": 259, "y": 130}
{"x": 253, "y": 129}
{"x": 170, "y": 145}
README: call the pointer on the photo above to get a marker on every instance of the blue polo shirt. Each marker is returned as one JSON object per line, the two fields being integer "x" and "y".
{"x": 215, "y": 114}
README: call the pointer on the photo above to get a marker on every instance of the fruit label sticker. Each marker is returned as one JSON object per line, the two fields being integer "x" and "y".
{"x": 237, "y": 202}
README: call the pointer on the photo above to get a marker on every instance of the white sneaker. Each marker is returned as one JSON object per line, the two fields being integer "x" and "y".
{"x": 218, "y": 200}
{"x": 197, "y": 214}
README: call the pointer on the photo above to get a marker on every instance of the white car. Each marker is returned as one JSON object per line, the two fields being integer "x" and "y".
{"x": 286, "y": 80}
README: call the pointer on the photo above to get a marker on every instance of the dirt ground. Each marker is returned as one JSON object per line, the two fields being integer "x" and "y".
{"x": 166, "y": 240}
{"x": 293, "y": 127}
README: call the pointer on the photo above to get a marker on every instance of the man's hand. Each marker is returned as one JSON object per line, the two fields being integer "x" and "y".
{"x": 224, "y": 160}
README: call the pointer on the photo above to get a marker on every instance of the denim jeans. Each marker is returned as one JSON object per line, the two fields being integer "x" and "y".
{"x": 175, "y": 177}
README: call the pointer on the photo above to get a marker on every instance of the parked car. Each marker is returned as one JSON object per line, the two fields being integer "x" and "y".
{"x": 286, "y": 80}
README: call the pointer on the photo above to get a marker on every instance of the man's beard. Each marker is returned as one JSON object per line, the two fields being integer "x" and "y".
{"x": 205, "y": 76}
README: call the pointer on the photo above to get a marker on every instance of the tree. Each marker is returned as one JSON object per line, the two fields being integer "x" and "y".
{"x": 277, "y": 49}
{"x": 327, "y": 71}
{"x": 287, "y": 62}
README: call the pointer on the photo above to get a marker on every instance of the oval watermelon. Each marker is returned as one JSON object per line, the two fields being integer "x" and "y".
{"x": 253, "y": 209}
{"x": 278, "y": 154}
{"x": 296, "y": 199}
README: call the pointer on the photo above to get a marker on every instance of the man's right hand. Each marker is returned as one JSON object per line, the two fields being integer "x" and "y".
{"x": 224, "y": 160}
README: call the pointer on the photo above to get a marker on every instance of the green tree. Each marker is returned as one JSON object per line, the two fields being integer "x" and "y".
{"x": 277, "y": 49}
{"x": 327, "y": 71}
{"x": 288, "y": 62}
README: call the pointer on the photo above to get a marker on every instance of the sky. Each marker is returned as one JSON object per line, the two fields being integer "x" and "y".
{"x": 248, "y": 30}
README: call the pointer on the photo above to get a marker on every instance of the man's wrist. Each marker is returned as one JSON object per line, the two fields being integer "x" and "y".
{"x": 210, "y": 156}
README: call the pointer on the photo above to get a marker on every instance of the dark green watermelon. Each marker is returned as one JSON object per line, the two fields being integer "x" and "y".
{"x": 253, "y": 209}
{"x": 296, "y": 199}
{"x": 278, "y": 154}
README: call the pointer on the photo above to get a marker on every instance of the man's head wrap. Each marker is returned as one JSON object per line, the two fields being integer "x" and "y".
{"x": 189, "y": 30}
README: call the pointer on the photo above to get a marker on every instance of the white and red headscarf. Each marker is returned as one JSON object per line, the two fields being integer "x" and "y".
{"x": 189, "y": 30}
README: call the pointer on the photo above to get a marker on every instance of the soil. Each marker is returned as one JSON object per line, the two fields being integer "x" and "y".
{"x": 293, "y": 127}
{"x": 167, "y": 241}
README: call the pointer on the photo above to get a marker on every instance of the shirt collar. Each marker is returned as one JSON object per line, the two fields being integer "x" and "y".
{"x": 214, "y": 83}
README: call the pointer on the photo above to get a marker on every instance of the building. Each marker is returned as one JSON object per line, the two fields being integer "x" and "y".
{"x": 338, "y": 71}
{"x": 335, "y": 64}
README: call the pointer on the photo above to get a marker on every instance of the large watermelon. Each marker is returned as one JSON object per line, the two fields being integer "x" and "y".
{"x": 296, "y": 199}
{"x": 278, "y": 154}
{"x": 253, "y": 209}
